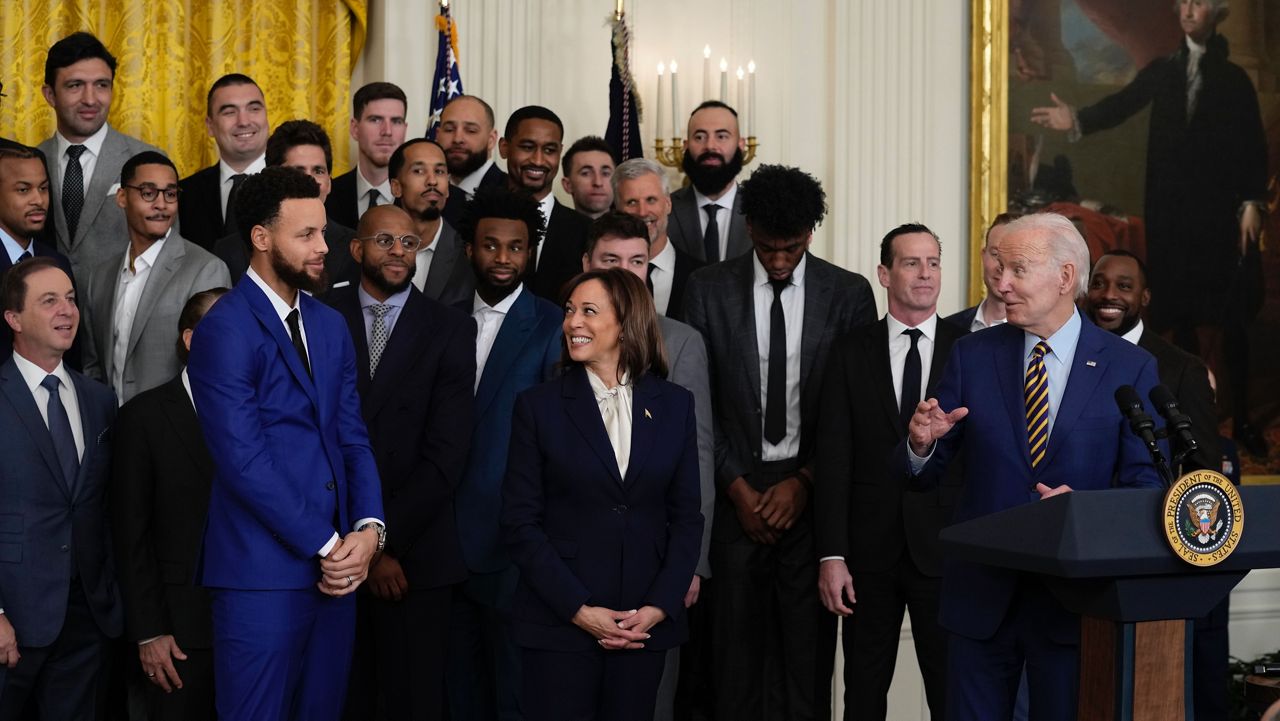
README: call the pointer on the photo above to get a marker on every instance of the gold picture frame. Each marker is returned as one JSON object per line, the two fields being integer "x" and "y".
{"x": 988, "y": 131}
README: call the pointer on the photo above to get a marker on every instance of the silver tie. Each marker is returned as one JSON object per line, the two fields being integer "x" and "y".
{"x": 378, "y": 337}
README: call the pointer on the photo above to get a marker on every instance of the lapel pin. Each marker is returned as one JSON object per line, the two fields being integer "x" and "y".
{"x": 1091, "y": 364}
{"x": 646, "y": 414}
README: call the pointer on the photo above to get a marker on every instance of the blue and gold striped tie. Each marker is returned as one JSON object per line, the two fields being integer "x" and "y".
{"x": 1036, "y": 392}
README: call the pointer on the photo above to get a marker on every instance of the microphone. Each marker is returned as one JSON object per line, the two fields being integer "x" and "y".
{"x": 1130, "y": 404}
{"x": 1176, "y": 422}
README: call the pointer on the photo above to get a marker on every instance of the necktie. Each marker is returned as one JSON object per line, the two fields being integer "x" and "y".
{"x": 296, "y": 334}
{"x": 1036, "y": 391}
{"x": 229, "y": 226}
{"x": 378, "y": 336}
{"x": 73, "y": 190}
{"x": 373, "y": 198}
{"x": 775, "y": 407}
{"x": 648, "y": 279}
{"x": 711, "y": 238}
{"x": 25, "y": 255}
{"x": 910, "y": 377}
{"x": 64, "y": 442}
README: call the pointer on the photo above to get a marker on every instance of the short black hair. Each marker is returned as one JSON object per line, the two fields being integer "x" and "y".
{"x": 783, "y": 202}
{"x": 586, "y": 144}
{"x": 292, "y": 133}
{"x": 396, "y": 163}
{"x": 615, "y": 224}
{"x": 226, "y": 81}
{"x": 260, "y": 196}
{"x": 71, "y": 50}
{"x": 531, "y": 112}
{"x": 20, "y": 152}
{"x": 886, "y": 244}
{"x": 376, "y": 91}
{"x": 1122, "y": 253}
{"x": 13, "y": 288}
{"x": 498, "y": 202}
{"x": 195, "y": 309}
{"x": 146, "y": 157}
{"x": 1001, "y": 219}
{"x": 714, "y": 104}
{"x": 488, "y": 109}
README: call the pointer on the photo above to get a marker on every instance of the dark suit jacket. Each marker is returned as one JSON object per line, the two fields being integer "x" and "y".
{"x": 37, "y": 248}
{"x": 684, "y": 226}
{"x": 339, "y": 264}
{"x": 52, "y": 530}
{"x": 560, "y": 258}
{"x": 862, "y": 512}
{"x": 963, "y": 319}
{"x": 342, "y": 206}
{"x": 419, "y": 412}
{"x": 685, "y": 265}
{"x": 200, "y": 209}
{"x": 458, "y": 197}
{"x": 583, "y": 533}
{"x": 719, "y": 303}
{"x": 524, "y": 354}
{"x": 1188, "y": 379}
{"x": 451, "y": 280}
{"x": 160, "y": 478}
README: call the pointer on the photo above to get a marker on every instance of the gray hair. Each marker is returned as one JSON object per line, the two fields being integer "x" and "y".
{"x": 1220, "y": 8}
{"x": 638, "y": 168}
{"x": 1066, "y": 245}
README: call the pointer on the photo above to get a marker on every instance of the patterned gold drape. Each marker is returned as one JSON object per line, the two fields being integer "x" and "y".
{"x": 300, "y": 52}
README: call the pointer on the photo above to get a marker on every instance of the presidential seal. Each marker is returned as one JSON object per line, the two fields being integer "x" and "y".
{"x": 1203, "y": 517}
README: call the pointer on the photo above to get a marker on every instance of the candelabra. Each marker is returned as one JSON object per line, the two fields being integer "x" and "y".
{"x": 672, "y": 155}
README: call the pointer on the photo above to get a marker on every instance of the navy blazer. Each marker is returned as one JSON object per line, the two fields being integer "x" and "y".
{"x": 291, "y": 453}
{"x": 524, "y": 354}
{"x": 52, "y": 531}
{"x": 580, "y": 532}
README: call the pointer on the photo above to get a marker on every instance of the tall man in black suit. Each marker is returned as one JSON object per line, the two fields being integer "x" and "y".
{"x": 415, "y": 362}
{"x": 707, "y": 216}
{"x": 769, "y": 319}
{"x": 642, "y": 190}
{"x": 468, "y": 134}
{"x": 378, "y": 127}
{"x": 420, "y": 182}
{"x": 531, "y": 145}
{"x": 867, "y": 523}
{"x": 236, "y": 118}
{"x": 160, "y": 478}
{"x": 58, "y": 598}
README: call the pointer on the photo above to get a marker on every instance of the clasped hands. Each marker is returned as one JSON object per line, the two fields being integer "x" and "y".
{"x": 615, "y": 630}
{"x": 347, "y": 565}
{"x": 764, "y": 516}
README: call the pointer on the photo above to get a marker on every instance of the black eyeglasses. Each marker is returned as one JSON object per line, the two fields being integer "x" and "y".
{"x": 149, "y": 192}
{"x": 408, "y": 241}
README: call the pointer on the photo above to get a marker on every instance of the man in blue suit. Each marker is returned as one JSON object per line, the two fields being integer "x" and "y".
{"x": 518, "y": 343}
{"x": 58, "y": 598}
{"x": 296, "y": 506}
{"x": 1031, "y": 404}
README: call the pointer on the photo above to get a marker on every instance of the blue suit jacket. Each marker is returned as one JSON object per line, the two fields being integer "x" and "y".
{"x": 291, "y": 454}
{"x": 1090, "y": 448}
{"x": 49, "y": 532}
{"x": 581, "y": 532}
{"x": 524, "y": 354}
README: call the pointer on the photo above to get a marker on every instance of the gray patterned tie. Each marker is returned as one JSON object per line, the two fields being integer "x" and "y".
{"x": 73, "y": 190}
{"x": 378, "y": 337}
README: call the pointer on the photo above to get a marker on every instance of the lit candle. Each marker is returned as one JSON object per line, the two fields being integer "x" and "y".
{"x": 675, "y": 103}
{"x": 657, "y": 129}
{"x": 740, "y": 89}
{"x": 724, "y": 80}
{"x": 706, "y": 72}
{"x": 751, "y": 107}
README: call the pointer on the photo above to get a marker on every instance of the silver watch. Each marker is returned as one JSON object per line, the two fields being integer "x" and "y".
{"x": 381, "y": 531}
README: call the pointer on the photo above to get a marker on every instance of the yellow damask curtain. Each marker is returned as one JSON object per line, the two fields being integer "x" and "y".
{"x": 300, "y": 52}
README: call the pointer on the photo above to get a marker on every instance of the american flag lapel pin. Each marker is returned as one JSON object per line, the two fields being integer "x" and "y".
{"x": 1091, "y": 364}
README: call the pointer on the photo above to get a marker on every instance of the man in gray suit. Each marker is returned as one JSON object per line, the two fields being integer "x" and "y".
{"x": 135, "y": 298}
{"x": 706, "y": 218}
{"x": 420, "y": 183}
{"x": 85, "y": 153}
{"x": 769, "y": 319}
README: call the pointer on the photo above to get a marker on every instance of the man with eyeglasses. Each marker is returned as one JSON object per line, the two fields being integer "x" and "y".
{"x": 132, "y": 303}
{"x": 420, "y": 183}
{"x": 415, "y": 365}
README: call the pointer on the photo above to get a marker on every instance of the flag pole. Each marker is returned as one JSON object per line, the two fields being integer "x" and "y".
{"x": 617, "y": 10}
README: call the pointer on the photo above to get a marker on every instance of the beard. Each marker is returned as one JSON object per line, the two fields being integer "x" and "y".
{"x": 711, "y": 179}
{"x": 380, "y": 281}
{"x": 298, "y": 277}
{"x": 466, "y": 166}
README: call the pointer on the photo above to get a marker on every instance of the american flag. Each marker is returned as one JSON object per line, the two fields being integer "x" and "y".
{"x": 447, "y": 83}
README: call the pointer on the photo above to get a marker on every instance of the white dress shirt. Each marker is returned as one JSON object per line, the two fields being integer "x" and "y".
{"x": 979, "y": 321}
{"x": 367, "y": 302}
{"x": 129, "y": 287}
{"x": 900, "y": 345}
{"x": 471, "y": 183}
{"x": 13, "y": 247}
{"x": 426, "y": 254}
{"x": 615, "y": 411}
{"x": 662, "y": 276}
{"x": 362, "y": 192}
{"x": 225, "y": 174}
{"x": 34, "y": 375}
{"x": 1134, "y": 333}
{"x": 793, "y": 314}
{"x": 488, "y": 322}
{"x": 88, "y": 159}
{"x": 724, "y": 216}
{"x": 545, "y": 206}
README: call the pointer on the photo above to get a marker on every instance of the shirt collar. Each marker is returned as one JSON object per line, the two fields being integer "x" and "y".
{"x": 226, "y": 172}
{"x": 762, "y": 278}
{"x": 471, "y": 182}
{"x": 435, "y": 238}
{"x": 546, "y": 205}
{"x": 724, "y": 201}
{"x": 13, "y": 248}
{"x": 1195, "y": 48}
{"x": 396, "y": 300}
{"x": 186, "y": 384}
{"x": 363, "y": 187}
{"x": 148, "y": 257}
{"x": 978, "y": 317}
{"x": 666, "y": 258}
{"x": 929, "y": 327}
{"x": 33, "y": 374}
{"x": 93, "y": 143}
{"x": 503, "y": 306}
{"x": 1134, "y": 333}
{"x": 1062, "y": 344}
{"x": 282, "y": 308}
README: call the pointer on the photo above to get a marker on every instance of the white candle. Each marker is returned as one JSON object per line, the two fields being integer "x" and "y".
{"x": 724, "y": 80}
{"x": 740, "y": 89}
{"x": 675, "y": 103}
{"x": 751, "y": 108}
{"x": 706, "y": 72}
{"x": 657, "y": 115}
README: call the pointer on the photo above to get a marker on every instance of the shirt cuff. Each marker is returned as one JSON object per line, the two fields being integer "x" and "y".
{"x": 916, "y": 462}
{"x": 333, "y": 541}
{"x": 146, "y": 641}
{"x": 830, "y": 558}
{"x": 363, "y": 521}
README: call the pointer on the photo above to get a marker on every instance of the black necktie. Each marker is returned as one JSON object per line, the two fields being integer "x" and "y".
{"x": 648, "y": 279}
{"x": 775, "y": 407}
{"x": 296, "y": 334}
{"x": 910, "y": 377}
{"x": 25, "y": 255}
{"x": 229, "y": 226}
{"x": 711, "y": 238}
{"x": 373, "y": 198}
{"x": 73, "y": 190}
{"x": 64, "y": 442}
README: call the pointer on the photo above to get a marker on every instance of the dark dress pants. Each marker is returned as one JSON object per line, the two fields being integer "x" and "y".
{"x": 483, "y": 675}
{"x": 59, "y": 681}
{"x": 590, "y": 685}
{"x": 397, "y": 671}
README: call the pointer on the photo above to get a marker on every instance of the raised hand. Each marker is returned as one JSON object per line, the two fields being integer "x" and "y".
{"x": 929, "y": 423}
{"x": 1054, "y": 117}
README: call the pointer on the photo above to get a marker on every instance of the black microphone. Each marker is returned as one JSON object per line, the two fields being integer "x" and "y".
{"x": 1130, "y": 404}
{"x": 1176, "y": 422}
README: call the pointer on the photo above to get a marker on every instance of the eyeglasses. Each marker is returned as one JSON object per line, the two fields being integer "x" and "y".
{"x": 149, "y": 192}
{"x": 408, "y": 241}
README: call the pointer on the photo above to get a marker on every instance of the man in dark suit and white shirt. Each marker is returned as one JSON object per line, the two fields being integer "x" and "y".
{"x": 420, "y": 183}
{"x": 378, "y": 127}
{"x": 58, "y": 597}
{"x": 642, "y": 190}
{"x": 769, "y": 318}
{"x": 85, "y": 154}
{"x": 878, "y": 544}
{"x": 588, "y": 166}
{"x": 236, "y": 118}
{"x": 706, "y": 217}
{"x": 468, "y": 134}
{"x": 416, "y": 366}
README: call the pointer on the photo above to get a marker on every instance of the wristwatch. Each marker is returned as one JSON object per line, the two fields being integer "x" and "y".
{"x": 381, "y": 531}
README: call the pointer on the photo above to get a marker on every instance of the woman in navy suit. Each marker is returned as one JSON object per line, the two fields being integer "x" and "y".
{"x": 600, "y": 511}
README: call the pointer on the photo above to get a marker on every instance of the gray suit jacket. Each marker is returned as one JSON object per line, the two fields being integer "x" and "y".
{"x": 687, "y": 367}
{"x": 684, "y": 226}
{"x": 182, "y": 269}
{"x": 101, "y": 232}
{"x": 450, "y": 279}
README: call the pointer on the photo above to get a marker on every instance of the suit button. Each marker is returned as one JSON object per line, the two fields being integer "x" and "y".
{"x": 330, "y": 485}
{"x": 65, "y": 548}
